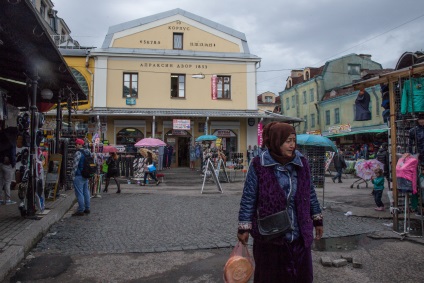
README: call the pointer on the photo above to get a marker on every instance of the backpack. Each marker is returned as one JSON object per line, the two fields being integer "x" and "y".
{"x": 89, "y": 167}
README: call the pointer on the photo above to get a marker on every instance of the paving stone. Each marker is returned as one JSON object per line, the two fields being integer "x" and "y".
{"x": 348, "y": 258}
{"x": 339, "y": 262}
{"x": 356, "y": 264}
{"x": 326, "y": 261}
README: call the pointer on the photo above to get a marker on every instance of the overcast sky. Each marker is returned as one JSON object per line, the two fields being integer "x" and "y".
{"x": 285, "y": 34}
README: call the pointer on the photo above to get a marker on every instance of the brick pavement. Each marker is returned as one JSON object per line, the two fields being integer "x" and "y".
{"x": 169, "y": 217}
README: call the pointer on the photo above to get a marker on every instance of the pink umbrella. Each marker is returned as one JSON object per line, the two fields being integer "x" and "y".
{"x": 149, "y": 142}
{"x": 365, "y": 168}
{"x": 109, "y": 148}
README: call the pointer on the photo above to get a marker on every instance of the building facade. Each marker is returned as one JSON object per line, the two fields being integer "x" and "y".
{"x": 173, "y": 76}
{"x": 322, "y": 97}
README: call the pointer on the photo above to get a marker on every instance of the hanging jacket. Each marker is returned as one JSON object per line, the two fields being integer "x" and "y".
{"x": 383, "y": 157}
{"x": 362, "y": 103}
{"x": 412, "y": 100}
{"x": 407, "y": 168}
{"x": 416, "y": 135}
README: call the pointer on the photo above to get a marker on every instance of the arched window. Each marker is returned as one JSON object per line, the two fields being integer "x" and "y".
{"x": 81, "y": 80}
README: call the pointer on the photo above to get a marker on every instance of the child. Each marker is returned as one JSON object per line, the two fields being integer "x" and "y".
{"x": 378, "y": 182}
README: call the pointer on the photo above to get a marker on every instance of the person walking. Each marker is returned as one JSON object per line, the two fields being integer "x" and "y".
{"x": 280, "y": 180}
{"x": 112, "y": 171}
{"x": 7, "y": 170}
{"x": 378, "y": 183}
{"x": 152, "y": 174}
{"x": 82, "y": 192}
{"x": 339, "y": 165}
{"x": 383, "y": 157}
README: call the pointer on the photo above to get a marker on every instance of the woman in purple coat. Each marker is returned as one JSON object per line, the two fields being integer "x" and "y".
{"x": 279, "y": 179}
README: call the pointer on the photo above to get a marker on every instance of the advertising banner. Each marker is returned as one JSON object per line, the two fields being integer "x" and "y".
{"x": 178, "y": 124}
{"x": 260, "y": 129}
{"x": 214, "y": 87}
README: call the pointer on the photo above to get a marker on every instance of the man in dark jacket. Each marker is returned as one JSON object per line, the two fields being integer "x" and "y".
{"x": 339, "y": 165}
{"x": 383, "y": 157}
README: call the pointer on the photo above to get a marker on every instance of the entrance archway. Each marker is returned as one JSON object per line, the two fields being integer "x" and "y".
{"x": 128, "y": 137}
{"x": 180, "y": 141}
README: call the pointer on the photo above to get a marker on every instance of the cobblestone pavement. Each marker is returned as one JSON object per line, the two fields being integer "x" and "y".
{"x": 157, "y": 222}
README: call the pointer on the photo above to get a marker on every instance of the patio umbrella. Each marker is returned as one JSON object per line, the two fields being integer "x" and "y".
{"x": 207, "y": 138}
{"x": 109, "y": 148}
{"x": 316, "y": 140}
{"x": 365, "y": 168}
{"x": 144, "y": 151}
{"x": 150, "y": 142}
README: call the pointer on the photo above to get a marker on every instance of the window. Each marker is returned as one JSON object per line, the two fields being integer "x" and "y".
{"x": 311, "y": 95}
{"x": 336, "y": 116}
{"x": 304, "y": 97}
{"x": 287, "y": 103}
{"x": 130, "y": 85}
{"x": 327, "y": 117}
{"x": 293, "y": 101}
{"x": 312, "y": 120}
{"x": 43, "y": 10}
{"x": 177, "y": 85}
{"x": 224, "y": 87}
{"x": 268, "y": 99}
{"x": 178, "y": 41}
{"x": 354, "y": 69}
{"x": 306, "y": 122}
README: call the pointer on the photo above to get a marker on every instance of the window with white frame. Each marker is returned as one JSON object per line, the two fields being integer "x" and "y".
{"x": 178, "y": 41}
{"x": 268, "y": 99}
{"x": 304, "y": 97}
{"x": 306, "y": 122}
{"x": 224, "y": 87}
{"x": 354, "y": 69}
{"x": 293, "y": 101}
{"x": 177, "y": 86}
{"x": 130, "y": 87}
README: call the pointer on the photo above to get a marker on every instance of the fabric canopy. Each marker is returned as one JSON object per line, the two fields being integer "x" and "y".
{"x": 369, "y": 131}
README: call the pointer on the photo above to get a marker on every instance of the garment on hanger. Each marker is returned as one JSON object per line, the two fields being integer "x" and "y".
{"x": 406, "y": 173}
{"x": 416, "y": 137}
{"x": 412, "y": 100}
{"x": 362, "y": 103}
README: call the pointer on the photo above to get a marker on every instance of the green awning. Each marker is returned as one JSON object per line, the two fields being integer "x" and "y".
{"x": 369, "y": 131}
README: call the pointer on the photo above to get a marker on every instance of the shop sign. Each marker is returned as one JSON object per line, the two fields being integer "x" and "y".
{"x": 179, "y": 133}
{"x": 178, "y": 124}
{"x": 214, "y": 87}
{"x": 344, "y": 128}
{"x": 224, "y": 133}
{"x": 170, "y": 140}
{"x": 130, "y": 101}
{"x": 315, "y": 132}
{"x": 260, "y": 129}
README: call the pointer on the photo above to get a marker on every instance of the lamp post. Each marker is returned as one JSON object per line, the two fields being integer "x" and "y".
{"x": 58, "y": 122}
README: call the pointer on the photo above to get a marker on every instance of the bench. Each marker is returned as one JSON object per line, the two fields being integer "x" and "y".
{"x": 160, "y": 175}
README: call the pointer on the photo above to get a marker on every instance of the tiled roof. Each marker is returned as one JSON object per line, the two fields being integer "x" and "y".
{"x": 187, "y": 113}
{"x": 339, "y": 92}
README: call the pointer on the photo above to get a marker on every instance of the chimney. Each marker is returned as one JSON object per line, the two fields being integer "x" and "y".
{"x": 365, "y": 56}
{"x": 296, "y": 73}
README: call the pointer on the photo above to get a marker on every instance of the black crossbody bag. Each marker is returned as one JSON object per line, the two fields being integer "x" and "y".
{"x": 275, "y": 225}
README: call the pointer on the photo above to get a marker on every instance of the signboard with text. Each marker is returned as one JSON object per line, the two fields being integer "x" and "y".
{"x": 260, "y": 130}
{"x": 178, "y": 124}
{"x": 214, "y": 87}
{"x": 344, "y": 128}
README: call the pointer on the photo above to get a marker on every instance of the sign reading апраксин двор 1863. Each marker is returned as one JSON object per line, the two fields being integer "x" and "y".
{"x": 172, "y": 65}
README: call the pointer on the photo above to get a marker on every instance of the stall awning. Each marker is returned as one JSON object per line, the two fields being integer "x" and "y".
{"x": 27, "y": 52}
{"x": 368, "y": 131}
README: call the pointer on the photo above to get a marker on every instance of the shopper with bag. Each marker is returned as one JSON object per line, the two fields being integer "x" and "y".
{"x": 112, "y": 171}
{"x": 278, "y": 189}
{"x": 150, "y": 169}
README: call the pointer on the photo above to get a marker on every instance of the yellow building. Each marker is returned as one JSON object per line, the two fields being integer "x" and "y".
{"x": 174, "y": 76}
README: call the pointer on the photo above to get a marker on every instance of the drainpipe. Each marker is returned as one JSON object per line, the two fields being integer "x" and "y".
{"x": 92, "y": 79}
{"x": 153, "y": 126}
{"x": 316, "y": 105}
{"x": 377, "y": 109}
{"x": 206, "y": 125}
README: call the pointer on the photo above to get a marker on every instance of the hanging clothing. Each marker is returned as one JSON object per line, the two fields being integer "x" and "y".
{"x": 416, "y": 137}
{"x": 412, "y": 100}
{"x": 362, "y": 103}
{"x": 406, "y": 173}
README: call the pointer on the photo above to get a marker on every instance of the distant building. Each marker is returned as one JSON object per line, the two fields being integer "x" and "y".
{"x": 269, "y": 101}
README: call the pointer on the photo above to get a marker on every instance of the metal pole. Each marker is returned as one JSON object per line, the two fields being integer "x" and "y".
{"x": 58, "y": 121}
{"x": 32, "y": 166}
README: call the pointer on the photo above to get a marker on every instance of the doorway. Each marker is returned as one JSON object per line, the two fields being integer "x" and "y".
{"x": 183, "y": 152}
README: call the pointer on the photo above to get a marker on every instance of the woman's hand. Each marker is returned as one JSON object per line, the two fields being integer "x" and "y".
{"x": 243, "y": 237}
{"x": 319, "y": 231}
